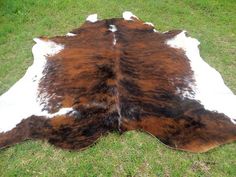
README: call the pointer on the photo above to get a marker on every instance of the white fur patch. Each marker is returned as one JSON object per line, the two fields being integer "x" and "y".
{"x": 149, "y": 23}
{"x": 155, "y": 31}
{"x": 22, "y": 99}
{"x": 128, "y": 15}
{"x": 112, "y": 28}
{"x": 62, "y": 111}
{"x": 92, "y": 18}
{"x": 209, "y": 87}
{"x": 70, "y": 34}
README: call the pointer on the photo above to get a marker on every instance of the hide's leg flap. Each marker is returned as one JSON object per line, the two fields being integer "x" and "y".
{"x": 192, "y": 132}
{"x": 30, "y": 128}
{"x": 65, "y": 131}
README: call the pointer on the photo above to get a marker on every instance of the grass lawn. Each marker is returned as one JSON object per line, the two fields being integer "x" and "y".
{"x": 134, "y": 153}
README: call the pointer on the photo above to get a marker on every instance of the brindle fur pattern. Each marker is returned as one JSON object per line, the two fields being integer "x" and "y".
{"x": 127, "y": 86}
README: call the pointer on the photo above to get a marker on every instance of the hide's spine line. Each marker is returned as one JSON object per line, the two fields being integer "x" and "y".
{"x": 117, "y": 96}
{"x": 113, "y": 29}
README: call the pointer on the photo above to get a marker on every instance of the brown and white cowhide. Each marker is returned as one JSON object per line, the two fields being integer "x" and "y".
{"x": 119, "y": 74}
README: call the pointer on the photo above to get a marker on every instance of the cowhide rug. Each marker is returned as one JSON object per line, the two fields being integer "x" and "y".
{"x": 119, "y": 74}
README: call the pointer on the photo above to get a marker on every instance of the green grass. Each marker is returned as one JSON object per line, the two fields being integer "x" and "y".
{"x": 132, "y": 154}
